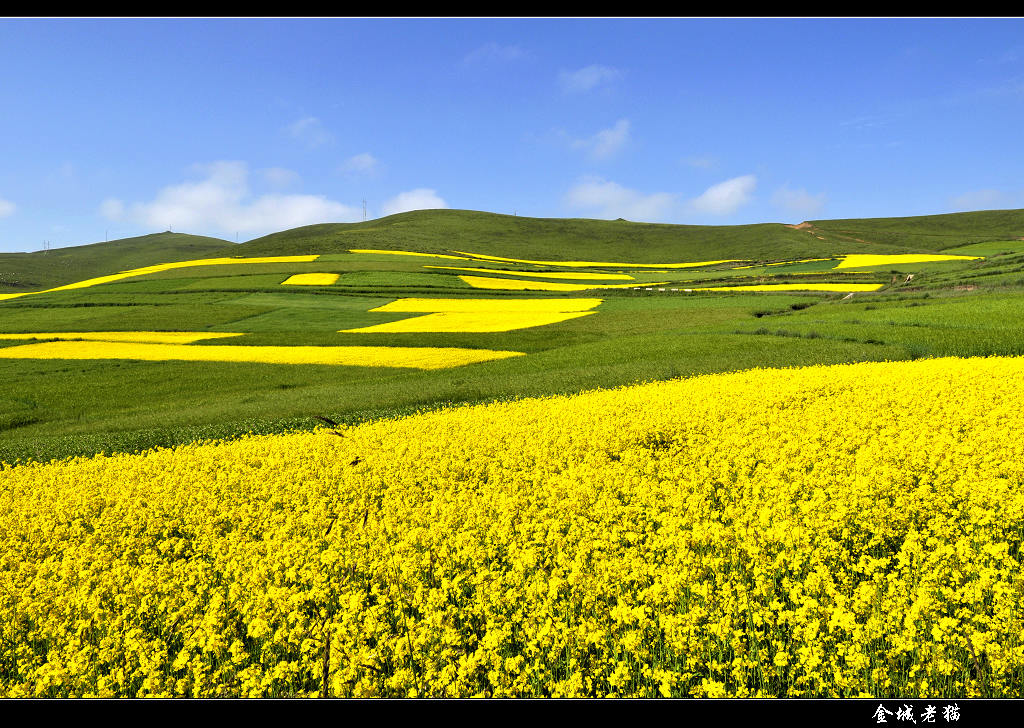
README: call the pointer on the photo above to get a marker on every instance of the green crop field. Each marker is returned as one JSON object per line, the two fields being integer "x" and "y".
{"x": 662, "y": 327}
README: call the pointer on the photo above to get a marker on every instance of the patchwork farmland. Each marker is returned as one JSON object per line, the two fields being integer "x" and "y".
{"x": 458, "y": 355}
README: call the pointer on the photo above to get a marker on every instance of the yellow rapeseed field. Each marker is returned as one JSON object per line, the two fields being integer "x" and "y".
{"x": 860, "y": 261}
{"x": 477, "y": 315}
{"x": 407, "y": 357}
{"x": 591, "y": 264}
{"x": 312, "y": 279}
{"x": 150, "y": 337}
{"x": 837, "y": 287}
{"x": 511, "y": 284}
{"x": 827, "y": 531}
{"x": 561, "y": 275}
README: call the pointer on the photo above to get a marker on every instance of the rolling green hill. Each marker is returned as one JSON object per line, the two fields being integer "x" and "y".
{"x": 927, "y": 232}
{"x": 45, "y": 269}
{"x": 619, "y": 240}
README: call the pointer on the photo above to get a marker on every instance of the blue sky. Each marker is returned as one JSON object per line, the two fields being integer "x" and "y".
{"x": 238, "y": 128}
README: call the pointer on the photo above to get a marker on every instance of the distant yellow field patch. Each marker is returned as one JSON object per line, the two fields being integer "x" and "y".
{"x": 477, "y": 315}
{"x": 149, "y": 337}
{"x": 312, "y": 279}
{"x": 405, "y": 252}
{"x": 861, "y": 261}
{"x": 583, "y": 264}
{"x": 159, "y": 268}
{"x": 566, "y": 275}
{"x": 510, "y": 284}
{"x": 839, "y": 287}
{"x": 476, "y": 305}
{"x": 364, "y": 356}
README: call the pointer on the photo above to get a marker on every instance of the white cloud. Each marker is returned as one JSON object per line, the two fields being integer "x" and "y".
{"x": 418, "y": 199}
{"x": 607, "y": 142}
{"x": 588, "y": 78}
{"x": 221, "y": 200}
{"x": 279, "y": 177}
{"x": 7, "y": 207}
{"x": 310, "y": 131}
{"x": 364, "y": 163}
{"x": 494, "y": 52}
{"x": 799, "y": 202}
{"x": 986, "y": 200}
{"x": 611, "y": 200}
{"x": 726, "y": 197}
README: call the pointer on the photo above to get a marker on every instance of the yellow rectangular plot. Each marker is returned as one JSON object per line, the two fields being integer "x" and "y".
{"x": 863, "y": 261}
{"x": 591, "y": 264}
{"x": 312, "y": 279}
{"x": 468, "y": 322}
{"x": 150, "y": 337}
{"x": 405, "y": 252}
{"x": 365, "y": 356}
{"x": 838, "y": 287}
{"x": 566, "y": 275}
{"x": 490, "y": 305}
{"x": 511, "y": 284}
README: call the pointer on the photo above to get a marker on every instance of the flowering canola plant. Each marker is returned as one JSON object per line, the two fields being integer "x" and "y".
{"x": 827, "y": 531}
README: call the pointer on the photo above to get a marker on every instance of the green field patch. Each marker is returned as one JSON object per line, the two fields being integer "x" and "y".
{"x": 989, "y": 249}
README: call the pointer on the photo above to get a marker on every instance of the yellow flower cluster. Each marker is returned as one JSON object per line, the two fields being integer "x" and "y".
{"x": 829, "y": 531}
{"x": 476, "y": 315}
{"x": 410, "y": 357}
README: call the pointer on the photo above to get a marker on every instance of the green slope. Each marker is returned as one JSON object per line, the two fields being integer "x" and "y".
{"x": 545, "y": 239}
{"x": 927, "y": 232}
{"x": 619, "y": 240}
{"x": 40, "y": 270}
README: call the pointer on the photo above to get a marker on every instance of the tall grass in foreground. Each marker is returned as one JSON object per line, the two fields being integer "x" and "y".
{"x": 827, "y": 531}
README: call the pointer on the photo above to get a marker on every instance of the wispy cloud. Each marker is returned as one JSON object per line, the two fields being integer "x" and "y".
{"x": 221, "y": 200}
{"x": 606, "y": 199}
{"x": 726, "y": 197}
{"x": 7, "y": 208}
{"x": 418, "y": 199}
{"x": 494, "y": 53}
{"x": 279, "y": 177}
{"x": 588, "y": 78}
{"x": 798, "y": 202}
{"x": 989, "y": 199}
{"x": 364, "y": 163}
{"x": 605, "y": 143}
{"x": 311, "y": 132}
